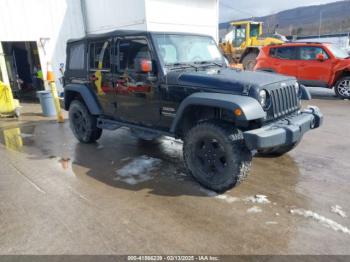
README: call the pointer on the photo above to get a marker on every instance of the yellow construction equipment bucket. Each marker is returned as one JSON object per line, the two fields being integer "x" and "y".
{"x": 8, "y": 105}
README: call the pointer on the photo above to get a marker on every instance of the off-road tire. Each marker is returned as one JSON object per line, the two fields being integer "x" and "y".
{"x": 249, "y": 61}
{"x": 82, "y": 123}
{"x": 237, "y": 156}
{"x": 277, "y": 151}
{"x": 338, "y": 86}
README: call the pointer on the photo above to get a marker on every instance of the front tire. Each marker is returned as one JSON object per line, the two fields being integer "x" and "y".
{"x": 216, "y": 156}
{"x": 342, "y": 87}
{"x": 83, "y": 124}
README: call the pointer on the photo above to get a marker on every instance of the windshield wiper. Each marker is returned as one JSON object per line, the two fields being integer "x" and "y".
{"x": 207, "y": 63}
{"x": 181, "y": 65}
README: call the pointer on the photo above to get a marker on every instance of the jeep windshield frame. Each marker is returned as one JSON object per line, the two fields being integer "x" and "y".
{"x": 182, "y": 51}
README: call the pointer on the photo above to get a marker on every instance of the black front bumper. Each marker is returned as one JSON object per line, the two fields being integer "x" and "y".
{"x": 284, "y": 132}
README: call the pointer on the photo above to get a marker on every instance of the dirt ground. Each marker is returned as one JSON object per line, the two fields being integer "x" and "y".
{"x": 123, "y": 196}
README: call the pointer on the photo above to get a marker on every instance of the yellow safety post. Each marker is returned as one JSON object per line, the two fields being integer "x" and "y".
{"x": 51, "y": 80}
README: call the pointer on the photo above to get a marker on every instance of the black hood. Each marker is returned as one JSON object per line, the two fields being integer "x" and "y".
{"x": 224, "y": 79}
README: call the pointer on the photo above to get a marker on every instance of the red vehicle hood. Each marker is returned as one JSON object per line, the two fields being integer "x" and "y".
{"x": 342, "y": 64}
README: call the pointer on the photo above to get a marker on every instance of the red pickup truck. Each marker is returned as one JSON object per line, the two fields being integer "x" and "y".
{"x": 313, "y": 64}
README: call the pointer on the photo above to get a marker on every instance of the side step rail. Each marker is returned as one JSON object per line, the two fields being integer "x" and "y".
{"x": 110, "y": 124}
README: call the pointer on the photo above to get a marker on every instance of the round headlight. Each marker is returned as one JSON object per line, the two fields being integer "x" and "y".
{"x": 263, "y": 98}
{"x": 297, "y": 88}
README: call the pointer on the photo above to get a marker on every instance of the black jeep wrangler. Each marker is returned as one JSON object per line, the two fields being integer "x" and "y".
{"x": 179, "y": 85}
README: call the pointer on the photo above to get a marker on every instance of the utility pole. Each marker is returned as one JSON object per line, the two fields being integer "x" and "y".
{"x": 320, "y": 26}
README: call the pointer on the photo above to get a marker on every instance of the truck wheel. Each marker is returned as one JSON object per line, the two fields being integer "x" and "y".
{"x": 249, "y": 61}
{"x": 277, "y": 151}
{"x": 342, "y": 88}
{"x": 216, "y": 156}
{"x": 82, "y": 123}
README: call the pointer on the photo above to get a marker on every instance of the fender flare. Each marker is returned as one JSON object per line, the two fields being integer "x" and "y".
{"x": 250, "y": 107}
{"x": 87, "y": 95}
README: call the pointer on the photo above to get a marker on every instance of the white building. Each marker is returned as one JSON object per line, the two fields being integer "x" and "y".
{"x": 34, "y": 32}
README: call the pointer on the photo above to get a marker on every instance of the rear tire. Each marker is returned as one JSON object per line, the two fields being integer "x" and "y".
{"x": 249, "y": 61}
{"x": 216, "y": 156}
{"x": 82, "y": 123}
{"x": 342, "y": 87}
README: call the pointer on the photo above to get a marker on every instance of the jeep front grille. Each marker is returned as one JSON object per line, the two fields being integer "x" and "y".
{"x": 284, "y": 101}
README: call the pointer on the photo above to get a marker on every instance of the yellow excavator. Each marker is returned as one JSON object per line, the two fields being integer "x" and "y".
{"x": 244, "y": 40}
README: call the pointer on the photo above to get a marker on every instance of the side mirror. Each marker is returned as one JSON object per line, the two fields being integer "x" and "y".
{"x": 320, "y": 57}
{"x": 143, "y": 65}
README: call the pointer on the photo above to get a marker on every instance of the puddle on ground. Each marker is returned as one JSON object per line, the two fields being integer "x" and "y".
{"x": 65, "y": 162}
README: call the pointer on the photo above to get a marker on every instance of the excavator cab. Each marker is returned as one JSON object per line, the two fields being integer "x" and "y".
{"x": 244, "y": 31}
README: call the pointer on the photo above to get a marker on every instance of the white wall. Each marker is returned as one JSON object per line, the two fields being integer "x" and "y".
{"x": 108, "y": 15}
{"x": 32, "y": 20}
{"x": 193, "y": 16}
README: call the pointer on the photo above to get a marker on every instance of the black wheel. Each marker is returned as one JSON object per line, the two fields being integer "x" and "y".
{"x": 342, "y": 87}
{"x": 82, "y": 123}
{"x": 277, "y": 151}
{"x": 249, "y": 61}
{"x": 216, "y": 156}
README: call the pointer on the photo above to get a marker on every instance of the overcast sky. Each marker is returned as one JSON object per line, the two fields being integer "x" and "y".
{"x": 248, "y": 8}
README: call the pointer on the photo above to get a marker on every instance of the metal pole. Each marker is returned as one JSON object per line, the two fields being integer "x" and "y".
{"x": 320, "y": 27}
{"x": 83, "y": 13}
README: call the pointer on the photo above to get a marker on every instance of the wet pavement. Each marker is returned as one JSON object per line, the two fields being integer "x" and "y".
{"x": 124, "y": 196}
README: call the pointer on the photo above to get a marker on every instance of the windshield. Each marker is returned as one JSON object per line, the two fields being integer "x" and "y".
{"x": 187, "y": 49}
{"x": 338, "y": 52}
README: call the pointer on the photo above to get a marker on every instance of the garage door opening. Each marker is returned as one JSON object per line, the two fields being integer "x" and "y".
{"x": 23, "y": 68}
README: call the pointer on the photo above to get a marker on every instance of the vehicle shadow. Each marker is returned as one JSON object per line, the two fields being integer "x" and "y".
{"x": 105, "y": 160}
{"x": 322, "y": 93}
{"x": 153, "y": 165}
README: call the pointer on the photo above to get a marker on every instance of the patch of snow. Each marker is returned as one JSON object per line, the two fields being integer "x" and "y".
{"x": 259, "y": 199}
{"x": 224, "y": 197}
{"x": 271, "y": 223}
{"x": 138, "y": 170}
{"x": 100, "y": 146}
{"x": 172, "y": 145}
{"x": 254, "y": 209}
{"x": 321, "y": 219}
{"x": 227, "y": 198}
{"x": 277, "y": 214}
{"x": 338, "y": 210}
{"x": 208, "y": 192}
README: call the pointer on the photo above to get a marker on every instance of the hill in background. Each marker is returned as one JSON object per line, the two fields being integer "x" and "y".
{"x": 333, "y": 17}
